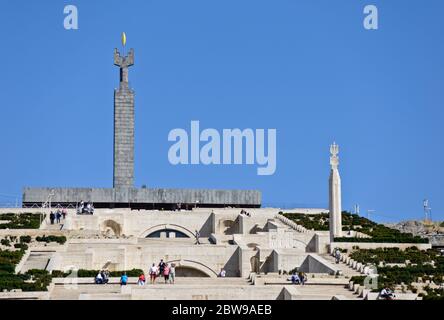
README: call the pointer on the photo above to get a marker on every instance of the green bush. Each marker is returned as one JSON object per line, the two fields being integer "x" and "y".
{"x": 391, "y": 276}
{"x": 9, "y": 280}
{"x": 37, "y": 272}
{"x": 129, "y": 273}
{"x": 434, "y": 294}
{"x": 59, "y": 274}
{"x": 21, "y": 246}
{"x": 21, "y": 221}
{"x": 25, "y": 239}
{"x": 47, "y": 239}
{"x": 5, "y": 242}
{"x": 10, "y": 257}
{"x": 353, "y": 222}
{"x": 40, "y": 281}
{"x": 384, "y": 239}
{"x": 358, "y": 280}
{"x": 393, "y": 255}
{"x": 82, "y": 273}
{"x": 7, "y": 268}
{"x": 310, "y": 221}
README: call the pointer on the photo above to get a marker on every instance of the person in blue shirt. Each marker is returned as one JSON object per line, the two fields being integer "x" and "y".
{"x": 124, "y": 280}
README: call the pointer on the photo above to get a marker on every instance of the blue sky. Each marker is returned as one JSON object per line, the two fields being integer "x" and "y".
{"x": 307, "y": 68}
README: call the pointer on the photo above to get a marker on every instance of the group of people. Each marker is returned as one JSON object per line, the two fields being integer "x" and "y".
{"x": 165, "y": 270}
{"x": 57, "y": 216}
{"x": 102, "y": 277}
{"x": 243, "y": 212}
{"x": 85, "y": 209}
{"x": 387, "y": 294}
{"x": 298, "y": 278}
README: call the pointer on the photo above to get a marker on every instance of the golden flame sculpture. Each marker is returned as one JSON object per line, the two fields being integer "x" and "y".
{"x": 123, "y": 38}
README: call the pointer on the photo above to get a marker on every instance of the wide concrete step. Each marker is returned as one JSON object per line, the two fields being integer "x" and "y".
{"x": 72, "y": 292}
{"x": 36, "y": 260}
{"x": 159, "y": 281}
{"x": 197, "y": 291}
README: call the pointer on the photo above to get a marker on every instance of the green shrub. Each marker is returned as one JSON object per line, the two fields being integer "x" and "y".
{"x": 310, "y": 221}
{"x": 5, "y": 242}
{"x": 25, "y": 239}
{"x": 51, "y": 238}
{"x": 59, "y": 274}
{"x": 40, "y": 281}
{"x": 21, "y": 246}
{"x": 391, "y": 276}
{"x": 82, "y": 273}
{"x": 37, "y": 272}
{"x": 9, "y": 280}
{"x": 358, "y": 280}
{"x": 21, "y": 221}
{"x": 7, "y": 268}
{"x": 353, "y": 222}
{"x": 11, "y": 257}
{"x": 129, "y": 273}
{"x": 434, "y": 294}
{"x": 393, "y": 255}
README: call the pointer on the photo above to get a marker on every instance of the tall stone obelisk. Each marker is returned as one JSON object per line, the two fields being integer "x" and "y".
{"x": 334, "y": 184}
{"x": 123, "y": 123}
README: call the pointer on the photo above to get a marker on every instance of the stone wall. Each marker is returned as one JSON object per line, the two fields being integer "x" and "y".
{"x": 126, "y": 255}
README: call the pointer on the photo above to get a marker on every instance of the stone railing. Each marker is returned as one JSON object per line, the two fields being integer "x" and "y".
{"x": 291, "y": 223}
{"x": 362, "y": 268}
{"x": 367, "y": 294}
{"x": 366, "y": 269}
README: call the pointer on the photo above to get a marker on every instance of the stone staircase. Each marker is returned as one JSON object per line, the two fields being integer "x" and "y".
{"x": 327, "y": 290}
{"x": 71, "y": 292}
{"x": 195, "y": 289}
{"x": 63, "y": 289}
{"x": 291, "y": 224}
{"x": 49, "y": 226}
{"x": 345, "y": 269}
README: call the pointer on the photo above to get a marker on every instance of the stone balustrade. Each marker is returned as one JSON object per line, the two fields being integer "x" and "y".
{"x": 291, "y": 223}
{"x": 358, "y": 266}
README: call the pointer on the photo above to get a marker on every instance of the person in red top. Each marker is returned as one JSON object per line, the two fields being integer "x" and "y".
{"x": 141, "y": 281}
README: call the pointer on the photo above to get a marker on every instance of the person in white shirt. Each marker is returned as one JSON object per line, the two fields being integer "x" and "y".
{"x": 387, "y": 294}
{"x": 153, "y": 273}
{"x": 99, "y": 278}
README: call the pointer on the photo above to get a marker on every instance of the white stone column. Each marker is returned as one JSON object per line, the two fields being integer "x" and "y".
{"x": 335, "y": 206}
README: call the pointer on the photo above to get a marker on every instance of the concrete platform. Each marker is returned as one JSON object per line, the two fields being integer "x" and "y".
{"x": 145, "y": 198}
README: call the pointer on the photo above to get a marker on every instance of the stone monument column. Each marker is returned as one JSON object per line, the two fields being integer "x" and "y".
{"x": 123, "y": 124}
{"x": 335, "y": 195}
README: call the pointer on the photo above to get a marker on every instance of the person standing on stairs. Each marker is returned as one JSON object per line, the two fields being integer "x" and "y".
{"x": 337, "y": 255}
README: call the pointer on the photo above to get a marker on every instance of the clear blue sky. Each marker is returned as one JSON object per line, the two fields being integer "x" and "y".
{"x": 305, "y": 67}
